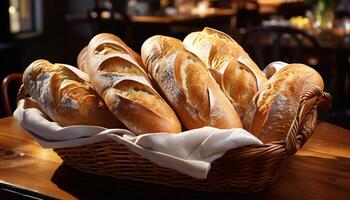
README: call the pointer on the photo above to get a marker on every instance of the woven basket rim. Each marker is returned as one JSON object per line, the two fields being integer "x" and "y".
{"x": 298, "y": 121}
{"x": 268, "y": 157}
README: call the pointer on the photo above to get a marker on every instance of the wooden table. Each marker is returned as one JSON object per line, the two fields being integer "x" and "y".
{"x": 271, "y": 6}
{"x": 136, "y": 29}
{"x": 320, "y": 170}
{"x": 217, "y": 14}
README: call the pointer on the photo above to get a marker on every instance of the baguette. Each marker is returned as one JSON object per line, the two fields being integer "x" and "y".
{"x": 272, "y": 110}
{"x": 121, "y": 81}
{"x": 187, "y": 85}
{"x": 66, "y": 97}
{"x": 236, "y": 73}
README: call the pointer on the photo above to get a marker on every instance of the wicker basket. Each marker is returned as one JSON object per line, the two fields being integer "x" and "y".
{"x": 246, "y": 169}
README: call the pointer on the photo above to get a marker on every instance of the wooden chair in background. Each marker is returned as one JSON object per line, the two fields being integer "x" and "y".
{"x": 266, "y": 44}
{"x": 270, "y": 43}
{"x": 9, "y": 89}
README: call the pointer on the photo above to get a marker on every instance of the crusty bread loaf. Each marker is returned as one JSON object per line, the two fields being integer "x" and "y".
{"x": 120, "y": 80}
{"x": 236, "y": 73}
{"x": 272, "y": 110}
{"x": 65, "y": 97}
{"x": 185, "y": 82}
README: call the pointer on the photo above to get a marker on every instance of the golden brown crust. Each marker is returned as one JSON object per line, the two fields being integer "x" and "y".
{"x": 273, "y": 108}
{"x": 65, "y": 97}
{"x": 236, "y": 73}
{"x": 122, "y": 82}
{"x": 187, "y": 85}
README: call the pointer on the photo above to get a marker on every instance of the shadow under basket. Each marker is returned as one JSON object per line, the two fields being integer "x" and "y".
{"x": 243, "y": 170}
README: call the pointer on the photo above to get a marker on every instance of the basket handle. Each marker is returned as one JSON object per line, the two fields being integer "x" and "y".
{"x": 296, "y": 137}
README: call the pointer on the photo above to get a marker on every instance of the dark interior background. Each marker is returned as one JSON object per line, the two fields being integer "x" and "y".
{"x": 62, "y": 39}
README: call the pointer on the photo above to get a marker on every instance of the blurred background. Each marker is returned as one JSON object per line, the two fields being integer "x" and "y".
{"x": 314, "y": 32}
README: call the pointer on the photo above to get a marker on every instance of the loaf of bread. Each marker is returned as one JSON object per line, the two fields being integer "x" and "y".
{"x": 272, "y": 110}
{"x": 187, "y": 85}
{"x": 65, "y": 96}
{"x": 119, "y": 78}
{"x": 236, "y": 73}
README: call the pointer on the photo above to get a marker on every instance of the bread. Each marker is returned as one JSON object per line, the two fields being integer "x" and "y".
{"x": 272, "y": 110}
{"x": 187, "y": 85}
{"x": 120, "y": 80}
{"x": 65, "y": 97}
{"x": 236, "y": 73}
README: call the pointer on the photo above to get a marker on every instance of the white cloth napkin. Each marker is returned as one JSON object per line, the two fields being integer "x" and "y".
{"x": 189, "y": 152}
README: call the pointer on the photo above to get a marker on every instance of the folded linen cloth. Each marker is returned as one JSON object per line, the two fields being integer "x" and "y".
{"x": 189, "y": 152}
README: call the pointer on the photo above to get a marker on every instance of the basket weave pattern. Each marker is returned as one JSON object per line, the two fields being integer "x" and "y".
{"x": 246, "y": 169}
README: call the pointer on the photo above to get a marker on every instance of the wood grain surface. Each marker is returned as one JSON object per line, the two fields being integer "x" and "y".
{"x": 320, "y": 170}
